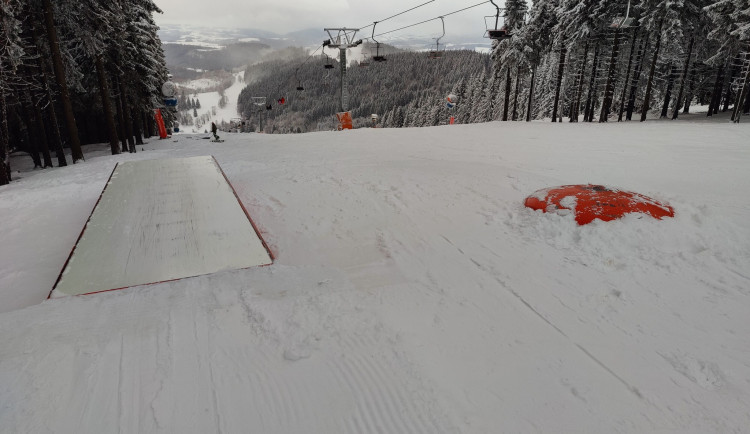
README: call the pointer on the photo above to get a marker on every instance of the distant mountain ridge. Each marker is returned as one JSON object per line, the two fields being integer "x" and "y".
{"x": 189, "y": 50}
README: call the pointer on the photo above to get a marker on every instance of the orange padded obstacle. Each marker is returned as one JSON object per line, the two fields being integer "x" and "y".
{"x": 589, "y": 202}
{"x": 345, "y": 120}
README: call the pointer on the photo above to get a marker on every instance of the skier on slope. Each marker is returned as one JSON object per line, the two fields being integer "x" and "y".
{"x": 213, "y": 131}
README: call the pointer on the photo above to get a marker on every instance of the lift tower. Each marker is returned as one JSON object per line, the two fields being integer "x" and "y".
{"x": 343, "y": 40}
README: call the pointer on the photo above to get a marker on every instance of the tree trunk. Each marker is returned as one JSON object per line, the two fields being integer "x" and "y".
{"x": 728, "y": 93}
{"x": 558, "y": 85}
{"x": 609, "y": 88}
{"x": 54, "y": 124}
{"x": 57, "y": 63}
{"x": 668, "y": 93}
{"x": 636, "y": 79}
{"x": 507, "y": 94}
{"x": 43, "y": 137}
{"x": 4, "y": 137}
{"x": 716, "y": 94}
{"x": 515, "y": 94}
{"x": 690, "y": 90}
{"x": 627, "y": 76}
{"x": 114, "y": 144}
{"x": 588, "y": 111}
{"x": 127, "y": 118}
{"x": 137, "y": 125}
{"x": 678, "y": 104}
{"x": 127, "y": 122}
{"x": 54, "y": 128}
{"x": 34, "y": 140}
{"x": 649, "y": 84}
{"x": 120, "y": 111}
{"x": 742, "y": 92}
{"x": 531, "y": 94}
{"x": 575, "y": 109}
{"x": 149, "y": 123}
{"x": 4, "y": 134}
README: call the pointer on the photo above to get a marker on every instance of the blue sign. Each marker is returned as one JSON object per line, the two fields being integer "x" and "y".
{"x": 170, "y": 102}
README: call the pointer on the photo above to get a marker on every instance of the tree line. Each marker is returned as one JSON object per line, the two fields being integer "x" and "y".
{"x": 582, "y": 59}
{"x": 75, "y": 72}
{"x": 574, "y": 59}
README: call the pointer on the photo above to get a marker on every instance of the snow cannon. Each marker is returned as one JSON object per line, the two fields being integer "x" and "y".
{"x": 451, "y": 99}
{"x": 590, "y": 202}
{"x": 168, "y": 89}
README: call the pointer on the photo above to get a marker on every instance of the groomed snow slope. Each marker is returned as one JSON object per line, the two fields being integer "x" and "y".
{"x": 412, "y": 292}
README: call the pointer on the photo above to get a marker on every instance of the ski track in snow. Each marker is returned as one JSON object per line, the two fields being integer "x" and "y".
{"x": 411, "y": 292}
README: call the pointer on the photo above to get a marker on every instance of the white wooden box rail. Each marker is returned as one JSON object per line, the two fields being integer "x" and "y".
{"x": 160, "y": 220}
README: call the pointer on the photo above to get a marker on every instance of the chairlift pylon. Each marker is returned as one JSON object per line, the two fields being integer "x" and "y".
{"x": 436, "y": 54}
{"x": 497, "y": 32}
{"x": 377, "y": 57}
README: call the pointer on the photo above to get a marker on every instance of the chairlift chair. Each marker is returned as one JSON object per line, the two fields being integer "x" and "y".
{"x": 497, "y": 32}
{"x": 436, "y": 54}
{"x": 377, "y": 57}
{"x": 365, "y": 59}
{"x": 300, "y": 88}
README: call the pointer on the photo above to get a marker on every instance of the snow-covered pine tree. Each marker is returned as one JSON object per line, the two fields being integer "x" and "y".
{"x": 509, "y": 54}
{"x": 666, "y": 22}
{"x": 536, "y": 37}
{"x": 11, "y": 54}
{"x": 95, "y": 22}
{"x": 731, "y": 29}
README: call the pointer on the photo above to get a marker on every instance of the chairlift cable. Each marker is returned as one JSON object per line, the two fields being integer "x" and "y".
{"x": 310, "y": 56}
{"x": 433, "y": 19}
{"x": 394, "y": 16}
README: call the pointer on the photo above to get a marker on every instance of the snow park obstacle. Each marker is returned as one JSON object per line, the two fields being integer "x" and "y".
{"x": 590, "y": 202}
{"x": 162, "y": 220}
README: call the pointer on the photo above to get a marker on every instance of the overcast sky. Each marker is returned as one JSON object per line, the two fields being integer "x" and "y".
{"x": 284, "y": 16}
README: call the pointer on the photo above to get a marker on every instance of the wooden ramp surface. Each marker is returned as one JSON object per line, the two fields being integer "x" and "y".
{"x": 160, "y": 220}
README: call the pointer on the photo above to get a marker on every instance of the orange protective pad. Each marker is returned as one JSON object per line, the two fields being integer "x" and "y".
{"x": 596, "y": 202}
{"x": 345, "y": 120}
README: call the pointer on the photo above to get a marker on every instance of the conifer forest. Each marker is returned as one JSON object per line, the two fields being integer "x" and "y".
{"x": 74, "y": 72}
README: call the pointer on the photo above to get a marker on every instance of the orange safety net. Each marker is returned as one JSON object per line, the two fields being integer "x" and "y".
{"x": 590, "y": 202}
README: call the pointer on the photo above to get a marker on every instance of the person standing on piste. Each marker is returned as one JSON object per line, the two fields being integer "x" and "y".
{"x": 213, "y": 131}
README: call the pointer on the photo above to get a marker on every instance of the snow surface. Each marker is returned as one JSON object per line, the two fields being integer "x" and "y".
{"x": 411, "y": 292}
